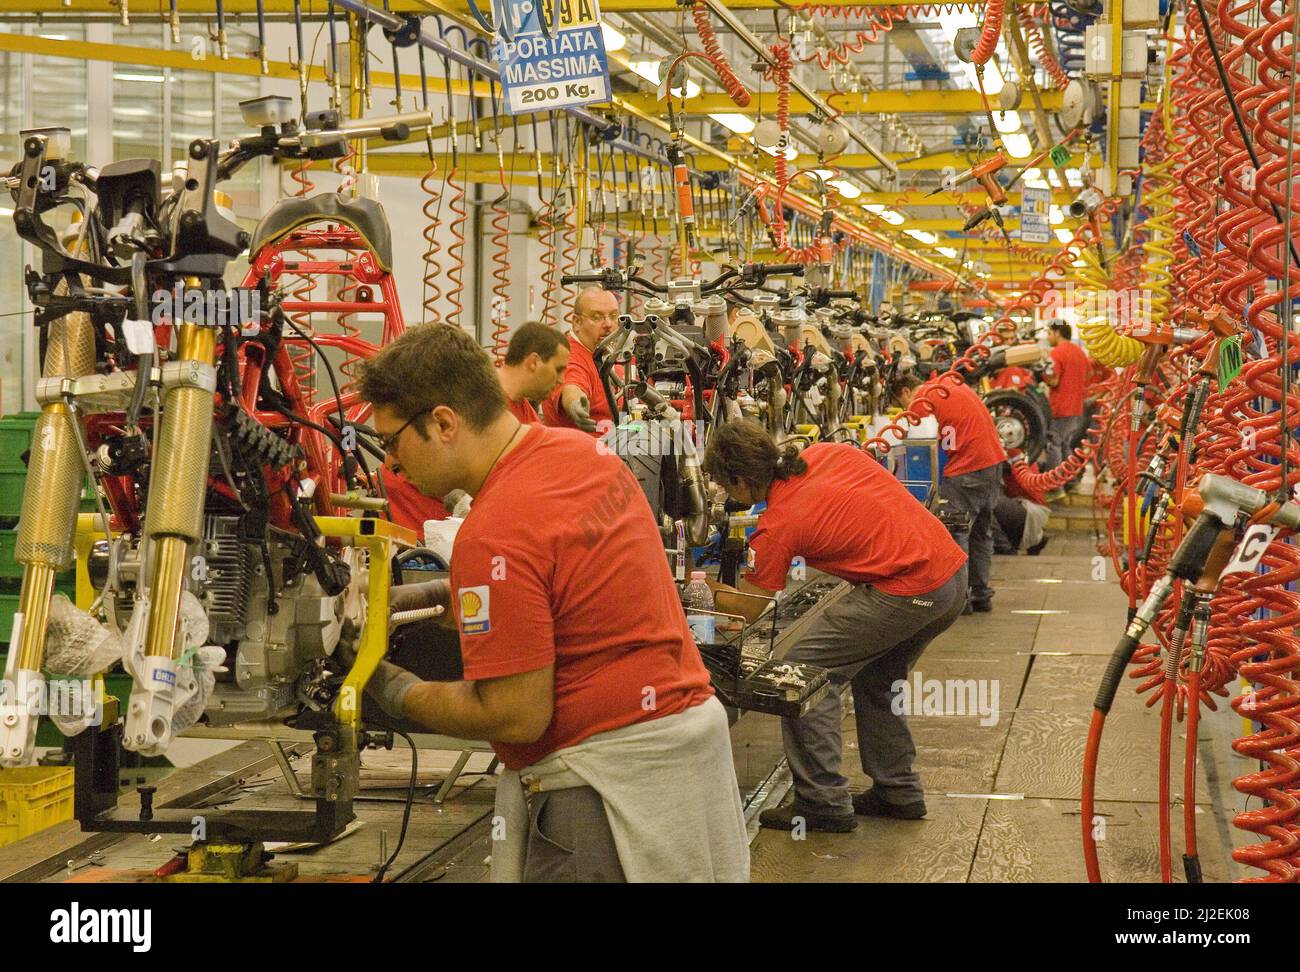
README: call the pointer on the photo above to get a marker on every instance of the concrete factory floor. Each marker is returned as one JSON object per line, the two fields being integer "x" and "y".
{"x": 1003, "y": 797}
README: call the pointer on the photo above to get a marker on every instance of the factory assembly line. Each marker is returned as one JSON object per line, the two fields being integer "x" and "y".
{"x": 654, "y": 441}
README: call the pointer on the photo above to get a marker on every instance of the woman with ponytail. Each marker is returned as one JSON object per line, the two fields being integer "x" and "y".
{"x": 841, "y": 512}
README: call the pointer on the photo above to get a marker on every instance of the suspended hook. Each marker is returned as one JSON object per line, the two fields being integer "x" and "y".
{"x": 222, "y": 46}
{"x": 337, "y": 96}
{"x": 261, "y": 35}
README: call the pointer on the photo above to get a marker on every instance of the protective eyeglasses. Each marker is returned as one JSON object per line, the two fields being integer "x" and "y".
{"x": 389, "y": 442}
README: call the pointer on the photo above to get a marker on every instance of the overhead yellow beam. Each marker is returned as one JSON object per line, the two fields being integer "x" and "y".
{"x": 955, "y": 225}
{"x": 146, "y": 12}
{"x": 181, "y": 60}
{"x": 141, "y": 10}
{"x": 936, "y": 162}
{"x": 914, "y": 198}
{"x": 918, "y": 102}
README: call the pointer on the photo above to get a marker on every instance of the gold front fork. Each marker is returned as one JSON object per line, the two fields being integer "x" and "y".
{"x": 55, "y": 475}
{"x": 173, "y": 521}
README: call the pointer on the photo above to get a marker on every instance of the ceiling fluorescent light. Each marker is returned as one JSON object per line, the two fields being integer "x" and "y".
{"x": 923, "y": 236}
{"x": 1007, "y": 121}
{"x": 1018, "y": 145}
{"x": 736, "y": 122}
{"x": 614, "y": 38}
{"x": 845, "y": 188}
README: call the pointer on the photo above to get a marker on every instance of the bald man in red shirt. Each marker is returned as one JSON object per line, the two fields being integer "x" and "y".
{"x": 579, "y": 402}
{"x": 972, "y": 477}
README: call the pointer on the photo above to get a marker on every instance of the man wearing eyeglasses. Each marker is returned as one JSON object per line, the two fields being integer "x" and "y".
{"x": 618, "y": 762}
{"x": 580, "y": 402}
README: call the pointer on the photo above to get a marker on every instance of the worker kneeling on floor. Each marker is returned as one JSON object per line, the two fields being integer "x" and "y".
{"x": 844, "y": 514}
{"x": 617, "y": 755}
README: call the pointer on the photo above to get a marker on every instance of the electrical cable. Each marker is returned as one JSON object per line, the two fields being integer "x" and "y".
{"x": 406, "y": 812}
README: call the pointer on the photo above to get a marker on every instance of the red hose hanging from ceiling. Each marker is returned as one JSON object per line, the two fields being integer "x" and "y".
{"x": 1046, "y": 56}
{"x": 500, "y": 257}
{"x": 431, "y": 208}
{"x": 456, "y": 250}
{"x": 713, "y": 51}
{"x": 990, "y": 32}
{"x": 302, "y": 356}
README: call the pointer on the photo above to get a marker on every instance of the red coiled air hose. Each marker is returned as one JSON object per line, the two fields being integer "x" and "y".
{"x": 302, "y": 356}
{"x": 456, "y": 250}
{"x": 713, "y": 51}
{"x": 550, "y": 281}
{"x": 990, "y": 32}
{"x": 500, "y": 257}
{"x": 1046, "y": 56}
{"x": 432, "y": 210}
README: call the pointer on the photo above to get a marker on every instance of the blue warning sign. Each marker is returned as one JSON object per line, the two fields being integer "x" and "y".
{"x": 561, "y": 67}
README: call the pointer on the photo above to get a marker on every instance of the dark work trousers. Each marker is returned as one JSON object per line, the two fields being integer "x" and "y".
{"x": 1064, "y": 437}
{"x": 976, "y": 494}
{"x": 869, "y": 640}
{"x": 569, "y": 839}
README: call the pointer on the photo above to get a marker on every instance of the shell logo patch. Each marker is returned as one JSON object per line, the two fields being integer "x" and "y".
{"x": 474, "y": 610}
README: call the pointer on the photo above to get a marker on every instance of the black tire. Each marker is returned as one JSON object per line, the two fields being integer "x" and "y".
{"x": 1020, "y": 421}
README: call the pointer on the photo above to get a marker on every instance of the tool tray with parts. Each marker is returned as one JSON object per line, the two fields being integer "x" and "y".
{"x": 747, "y": 677}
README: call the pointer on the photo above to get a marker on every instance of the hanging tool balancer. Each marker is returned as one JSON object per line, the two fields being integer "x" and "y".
{"x": 685, "y": 203}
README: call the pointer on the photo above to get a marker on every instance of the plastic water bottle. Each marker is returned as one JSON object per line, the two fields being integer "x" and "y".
{"x": 697, "y": 598}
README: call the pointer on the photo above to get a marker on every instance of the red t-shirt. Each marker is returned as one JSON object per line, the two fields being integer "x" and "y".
{"x": 407, "y": 506}
{"x": 1071, "y": 365}
{"x": 558, "y": 536}
{"x": 966, "y": 430}
{"x": 1013, "y": 377}
{"x": 523, "y": 410}
{"x": 583, "y": 373}
{"x": 849, "y": 517}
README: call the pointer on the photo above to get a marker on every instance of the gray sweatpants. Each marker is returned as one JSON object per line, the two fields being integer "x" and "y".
{"x": 976, "y": 494}
{"x": 869, "y": 640}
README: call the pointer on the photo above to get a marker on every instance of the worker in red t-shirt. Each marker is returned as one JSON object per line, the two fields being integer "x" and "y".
{"x": 1067, "y": 379}
{"x": 579, "y": 402}
{"x": 595, "y": 701}
{"x": 534, "y": 366}
{"x": 843, "y": 513}
{"x": 972, "y": 477}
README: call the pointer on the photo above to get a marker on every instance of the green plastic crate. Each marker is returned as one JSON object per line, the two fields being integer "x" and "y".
{"x": 8, "y": 605}
{"x": 10, "y": 569}
{"x": 12, "y": 483}
{"x": 11, "y": 491}
{"x": 11, "y": 572}
{"x": 15, "y": 438}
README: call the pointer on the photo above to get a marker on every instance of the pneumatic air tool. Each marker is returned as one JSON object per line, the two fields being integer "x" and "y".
{"x": 985, "y": 174}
